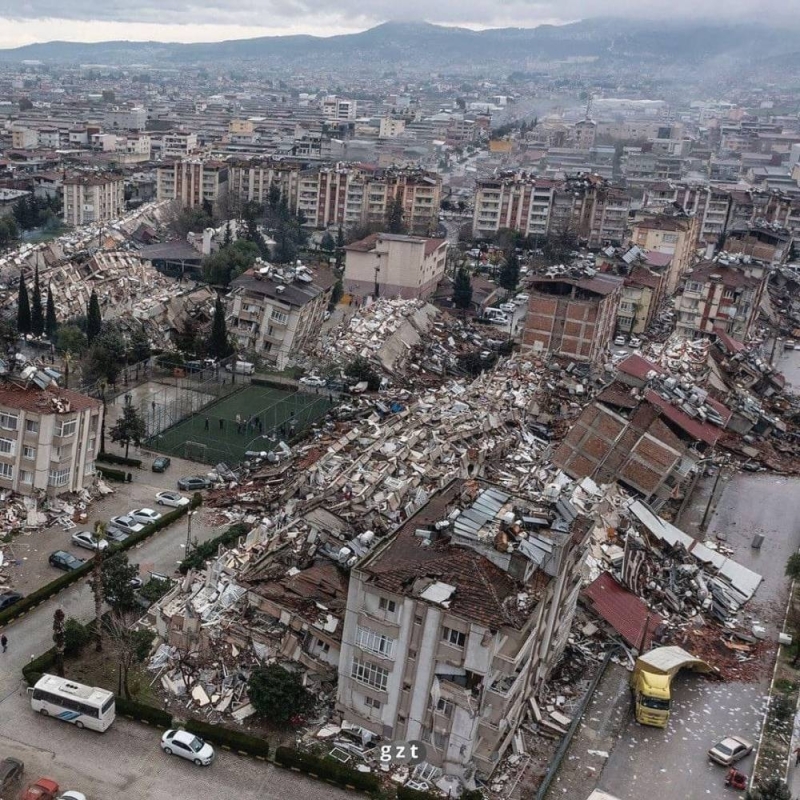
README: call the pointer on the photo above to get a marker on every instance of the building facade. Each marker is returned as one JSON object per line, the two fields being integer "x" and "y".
{"x": 572, "y": 317}
{"x": 93, "y": 198}
{"x": 456, "y": 621}
{"x": 673, "y": 235}
{"x": 398, "y": 266}
{"x": 48, "y": 439}
{"x": 192, "y": 181}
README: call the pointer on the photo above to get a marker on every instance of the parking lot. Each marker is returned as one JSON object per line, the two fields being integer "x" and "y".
{"x": 29, "y": 551}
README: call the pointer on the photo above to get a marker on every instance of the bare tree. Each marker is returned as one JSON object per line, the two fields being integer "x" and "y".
{"x": 131, "y": 645}
{"x": 59, "y": 640}
{"x": 97, "y": 584}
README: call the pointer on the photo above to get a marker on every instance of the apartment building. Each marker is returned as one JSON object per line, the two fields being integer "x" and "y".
{"x": 669, "y": 234}
{"x": 192, "y": 181}
{"x": 24, "y": 138}
{"x": 276, "y": 312}
{"x": 519, "y": 201}
{"x": 338, "y": 109}
{"x": 48, "y": 438}
{"x": 391, "y": 127}
{"x": 457, "y": 619}
{"x": 126, "y": 119}
{"x": 90, "y": 198}
{"x": 642, "y": 292}
{"x": 178, "y": 144}
{"x": 720, "y": 296}
{"x": 394, "y": 266}
{"x": 251, "y": 179}
{"x": 574, "y": 317}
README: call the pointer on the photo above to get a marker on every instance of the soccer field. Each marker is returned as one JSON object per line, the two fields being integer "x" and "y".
{"x": 212, "y": 434}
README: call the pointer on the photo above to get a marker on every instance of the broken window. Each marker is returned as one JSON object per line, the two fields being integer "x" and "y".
{"x": 368, "y": 639}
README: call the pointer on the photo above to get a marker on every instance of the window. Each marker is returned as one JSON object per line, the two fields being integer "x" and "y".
{"x": 454, "y": 637}
{"x": 59, "y": 477}
{"x": 369, "y": 674}
{"x": 418, "y": 619}
{"x": 6, "y": 471}
{"x": 670, "y": 238}
{"x": 31, "y": 426}
{"x": 279, "y": 316}
{"x": 371, "y": 702}
{"x": 25, "y": 476}
{"x": 7, "y": 447}
{"x": 8, "y": 422}
{"x": 375, "y": 642}
{"x": 387, "y": 605}
{"x": 444, "y": 707}
{"x": 66, "y": 427}
{"x": 89, "y": 468}
{"x": 29, "y": 452}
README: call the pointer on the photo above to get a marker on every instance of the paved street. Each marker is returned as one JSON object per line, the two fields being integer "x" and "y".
{"x": 674, "y": 760}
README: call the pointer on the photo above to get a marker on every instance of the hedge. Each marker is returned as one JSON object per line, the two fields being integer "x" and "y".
{"x": 406, "y": 793}
{"x": 225, "y": 737}
{"x": 34, "y": 670}
{"x": 112, "y": 458}
{"x": 143, "y": 712}
{"x": 63, "y": 581}
{"x": 327, "y": 769}
{"x": 110, "y": 474}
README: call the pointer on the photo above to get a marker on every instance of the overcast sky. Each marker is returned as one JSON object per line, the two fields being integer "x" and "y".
{"x": 212, "y": 20}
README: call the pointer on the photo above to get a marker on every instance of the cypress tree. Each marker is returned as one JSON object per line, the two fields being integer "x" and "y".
{"x": 94, "y": 321}
{"x": 37, "y": 312}
{"x": 218, "y": 345}
{"x": 23, "y": 308}
{"x": 51, "y": 323}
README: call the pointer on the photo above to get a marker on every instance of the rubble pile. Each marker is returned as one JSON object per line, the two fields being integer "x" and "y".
{"x": 680, "y": 356}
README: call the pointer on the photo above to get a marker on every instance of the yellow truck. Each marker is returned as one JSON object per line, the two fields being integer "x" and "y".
{"x": 652, "y": 679}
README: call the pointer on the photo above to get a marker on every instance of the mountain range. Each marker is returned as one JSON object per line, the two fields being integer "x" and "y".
{"x": 420, "y": 47}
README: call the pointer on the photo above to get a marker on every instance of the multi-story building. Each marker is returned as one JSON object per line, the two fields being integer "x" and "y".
{"x": 24, "y": 138}
{"x": 276, "y": 312}
{"x": 518, "y": 201}
{"x": 671, "y": 234}
{"x": 391, "y": 127}
{"x": 178, "y": 144}
{"x": 252, "y": 179}
{"x": 641, "y": 294}
{"x": 338, "y": 109}
{"x": 572, "y": 317}
{"x": 90, "y": 198}
{"x": 48, "y": 438}
{"x": 457, "y": 619}
{"x": 192, "y": 181}
{"x": 394, "y": 266}
{"x": 126, "y": 119}
{"x": 719, "y": 295}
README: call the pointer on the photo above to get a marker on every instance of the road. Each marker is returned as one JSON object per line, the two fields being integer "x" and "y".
{"x": 126, "y": 761}
{"x": 674, "y": 760}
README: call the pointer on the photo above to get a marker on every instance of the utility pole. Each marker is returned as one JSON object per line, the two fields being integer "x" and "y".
{"x": 189, "y": 515}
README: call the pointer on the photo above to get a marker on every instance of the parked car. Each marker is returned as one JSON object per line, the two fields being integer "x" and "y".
{"x": 89, "y": 541}
{"x": 510, "y": 307}
{"x": 7, "y": 599}
{"x": 312, "y": 380}
{"x": 11, "y": 770}
{"x": 115, "y": 535}
{"x": 125, "y": 523}
{"x": 242, "y": 368}
{"x": 172, "y": 499}
{"x": 193, "y": 483}
{"x": 522, "y": 298}
{"x": 43, "y": 789}
{"x": 145, "y": 516}
{"x": 635, "y": 341}
{"x": 72, "y": 795}
{"x": 619, "y": 341}
{"x": 161, "y": 464}
{"x": 61, "y": 559}
{"x": 187, "y": 745}
{"x": 730, "y": 750}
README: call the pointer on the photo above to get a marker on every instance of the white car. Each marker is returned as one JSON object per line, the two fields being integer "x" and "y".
{"x": 172, "y": 499}
{"x": 635, "y": 341}
{"x": 187, "y": 745}
{"x": 620, "y": 341}
{"x": 521, "y": 299}
{"x": 313, "y": 380}
{"x": 126, "y": 524}
{"x": 510, "y": 307}
{"x": 144, "y": 516}
{"x": 87, "y": 540}
{"x": 72, "y": 795}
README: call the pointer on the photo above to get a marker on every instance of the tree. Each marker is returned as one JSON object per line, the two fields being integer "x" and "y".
{"x": 76, "y": 637}
{"x": 37, "y": 312}
{"x": 227, "y": 239}
{"x": 219, "y": 345}
{"x": 228, "y": 262}
{"x": 105, "y": 358}
{"x": 186, "y": 337}
{"x": 509, "y": 274}
{"x": 59, "y": 640}
{"x": 23, "y": 308}
{"x": 25, "y": 104}
{"x": 8, "y": 231}
{"x": 50, "y": 322}
{"x": 793, "y": 567}
{"x": 94, "y": 320}
{"x": 772, "y": 788}
{"x": 132, "y": 646}
{"x": 274, "y": 196}
{"x": 462, "y": 290}
{"x": 108, "y": 96}
{"x": 71, "y": 339}
{"x": 394, "y": 215}
{"x": 328, "y": 243}
{"x": 190, "y": 220}
{"x": 130, "y": 427}
{"x": 139, "y": 345}
{"x": 278, "y": 694}
{"x": 118, "y": 574}
{"x": 359, "y": 369}
{"x": 336, "y": 294}
{"x": 97, "y": 586}
{"x": 339, "y": 247}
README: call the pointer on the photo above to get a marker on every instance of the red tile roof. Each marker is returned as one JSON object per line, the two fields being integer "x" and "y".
{"x": 731, "y": 345}
{"x": 702, "y": 431}
{"x": 38, "y": 400}
{"x": 637, "y": 366}
{"x": 623, "y": 611}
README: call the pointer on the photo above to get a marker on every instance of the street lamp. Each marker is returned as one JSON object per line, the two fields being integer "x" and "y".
{"x": 189, "y": 515}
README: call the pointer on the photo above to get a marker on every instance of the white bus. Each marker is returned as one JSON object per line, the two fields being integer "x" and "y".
{"x": 83, "y": 706}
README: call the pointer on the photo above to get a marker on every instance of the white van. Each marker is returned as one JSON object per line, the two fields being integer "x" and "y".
{"x": 242, "y": 368}
{"x": 498, "y": 316}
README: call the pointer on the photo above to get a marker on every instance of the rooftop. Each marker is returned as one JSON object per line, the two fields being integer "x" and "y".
{"x": 44, "y": 401}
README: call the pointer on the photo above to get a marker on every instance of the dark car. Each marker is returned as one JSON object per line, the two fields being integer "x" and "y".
{"x": 161, "y": 464}
{"x": 11, "y": 770}
{"x": 7, "y": 599}
{"x": 193, "y": 483}
{"x": 66, "y": 561}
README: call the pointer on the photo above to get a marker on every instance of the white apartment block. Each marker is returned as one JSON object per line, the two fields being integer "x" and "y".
{"x": 48, "y": 439}
{"x": 521, "y": 203}
{"x": 338, "y": 109}
{"x": 178, "y": 144}
{"x": 391, "y": 127}
{"x": 93, "y": 198}
{"x": 192, "y": 181}
{"x": 24, "y": 138}
{"x": 276, "y": 312}
{"x": 126, "y": 119}
{"x": 400, "y": 266}
{"x": 457, "y": 619}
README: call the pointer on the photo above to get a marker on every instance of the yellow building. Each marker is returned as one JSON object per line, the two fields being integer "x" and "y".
{"x": 676, "y": 236}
